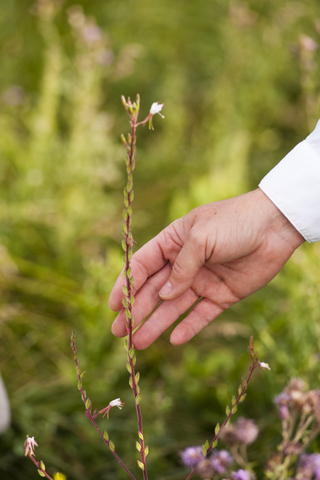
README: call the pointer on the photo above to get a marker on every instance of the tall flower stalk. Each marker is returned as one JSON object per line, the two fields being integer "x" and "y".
{"x": 132, "y": 109}
{"x": 128, "y": 289}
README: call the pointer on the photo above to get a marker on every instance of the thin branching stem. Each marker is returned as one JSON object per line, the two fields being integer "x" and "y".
{"x": 88, "y": 413}
{"x": 241, "y": 395}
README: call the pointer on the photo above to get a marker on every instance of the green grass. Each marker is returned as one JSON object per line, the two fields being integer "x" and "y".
{"x": 240, "y": 91}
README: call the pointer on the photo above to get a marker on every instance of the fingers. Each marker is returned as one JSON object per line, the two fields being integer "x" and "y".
{"x": 146, "y": 300}
{"x": 151, "y": 258}
{"x": 186, "y": 265}
{"x": 200, "y": 316}
{"x": 162, "y": 318}
{"x": 208, "y": 284}
{"x": 145, "y": 262}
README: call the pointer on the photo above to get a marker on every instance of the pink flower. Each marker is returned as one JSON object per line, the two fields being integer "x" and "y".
{"x": 29, "y": 445}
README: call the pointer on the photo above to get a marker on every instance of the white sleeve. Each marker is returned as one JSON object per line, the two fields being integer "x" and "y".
{"x": 294, "y": 186}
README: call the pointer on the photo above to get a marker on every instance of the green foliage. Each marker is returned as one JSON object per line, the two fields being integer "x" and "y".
{"x": 240, "y": 87}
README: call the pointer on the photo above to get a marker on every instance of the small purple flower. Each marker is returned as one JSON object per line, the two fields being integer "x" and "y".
{"x": 191, "y": 456}
{"x": 282, "y": 401}
{"x": 309, "y": 466}
{"x": 240, "y": 475}
{"x": 247, "y": 431}
{"x": 219, "y": 460}
{"x": 284, "y": 412}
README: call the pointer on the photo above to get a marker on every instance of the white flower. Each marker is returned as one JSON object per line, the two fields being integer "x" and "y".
{"x": 156, "y": 107}
{"x": 29, "y": 445}
{"x": 265, "y": 366}
{"x": 116, "y": 403}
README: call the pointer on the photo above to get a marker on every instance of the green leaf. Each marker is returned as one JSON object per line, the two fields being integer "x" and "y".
{"x": 205, "y": 447}
{"x": 129, "y": 367}
{"x": 227, "y": 410}
{"x": 106, "y": 435}
{"x": 140, "y": 464}
{"x": 112, "y": 446}
{"x": 217, "y": 429}
{"x": 242, "y": 398}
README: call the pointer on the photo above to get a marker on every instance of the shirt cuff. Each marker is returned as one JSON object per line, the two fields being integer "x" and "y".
{"x": 294, "y": 187}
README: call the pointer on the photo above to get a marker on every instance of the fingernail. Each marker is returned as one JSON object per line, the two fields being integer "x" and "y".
{"x": 166, "y": 290}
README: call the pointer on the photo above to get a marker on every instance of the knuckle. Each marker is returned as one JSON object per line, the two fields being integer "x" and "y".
{"x": 178, "y": 271}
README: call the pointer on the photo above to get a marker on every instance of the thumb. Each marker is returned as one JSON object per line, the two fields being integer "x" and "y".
{"x": 184, "y": 269}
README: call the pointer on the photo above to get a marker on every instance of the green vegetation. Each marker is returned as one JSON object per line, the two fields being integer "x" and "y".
{"x": 240, "y": 82}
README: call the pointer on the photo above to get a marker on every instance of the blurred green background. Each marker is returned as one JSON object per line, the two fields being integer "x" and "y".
{"x": 240, "y": 83}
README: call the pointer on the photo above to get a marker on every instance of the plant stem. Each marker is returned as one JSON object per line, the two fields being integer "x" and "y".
{"x": 88, "y": 412}
{"x": 129, "y": 284}
{"x": 37, "y": 464}
{"x": 241, "y": 392}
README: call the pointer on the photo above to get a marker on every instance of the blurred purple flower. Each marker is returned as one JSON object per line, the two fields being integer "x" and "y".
{"x": 309, "y": 466}
{"x": 282, "y": 401}
{"x": 219, "y": 460}
{"x": 191, "y": 456}
{"x": 247, "y": 431}
{"x": 240, "y": 475}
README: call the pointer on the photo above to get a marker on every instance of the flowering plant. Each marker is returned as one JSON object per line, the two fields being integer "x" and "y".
{"x": 299, "y": 410}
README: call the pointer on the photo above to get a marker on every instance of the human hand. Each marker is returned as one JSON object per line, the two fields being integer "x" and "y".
{"x": 216, "y": 255}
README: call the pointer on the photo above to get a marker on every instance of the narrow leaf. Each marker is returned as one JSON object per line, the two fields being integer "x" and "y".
{"x": 242, "y": 398}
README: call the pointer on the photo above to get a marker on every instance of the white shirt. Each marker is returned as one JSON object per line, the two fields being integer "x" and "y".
{"x": 294, "y": 186}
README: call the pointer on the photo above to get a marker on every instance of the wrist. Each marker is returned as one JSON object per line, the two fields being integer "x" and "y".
{"x": 277, "y": 221}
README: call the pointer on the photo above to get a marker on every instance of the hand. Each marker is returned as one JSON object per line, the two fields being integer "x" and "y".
{"x": 216, "y": 255}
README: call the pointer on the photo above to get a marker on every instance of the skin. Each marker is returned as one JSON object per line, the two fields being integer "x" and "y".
{"x": 216, "y": 255}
